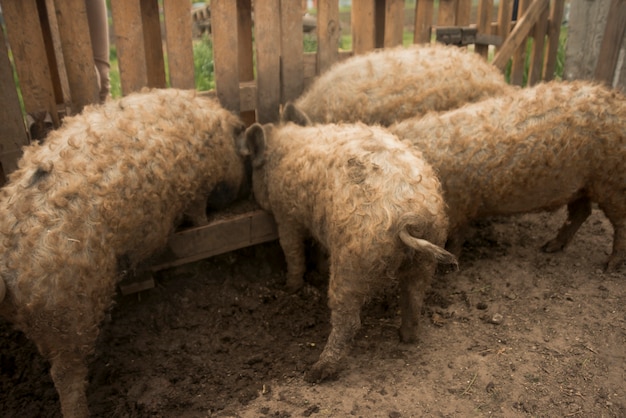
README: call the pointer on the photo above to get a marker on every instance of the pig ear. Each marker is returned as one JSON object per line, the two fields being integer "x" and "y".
{"x": 255, "y": 144}
{"x": 292, "y": 114}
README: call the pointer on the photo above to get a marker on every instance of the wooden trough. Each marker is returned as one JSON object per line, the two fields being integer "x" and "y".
{"x": 50, "y": 60}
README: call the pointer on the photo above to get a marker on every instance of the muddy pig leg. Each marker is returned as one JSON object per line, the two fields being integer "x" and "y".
{"x": 577, "y": 212}
{"x": 291, "y": 238}
{"x": 69, "y": 373}
{"x": 67, "y": 353}
{"x": 415, "y": 277}
{"x": 616, "y": 215}
{"x": 345, "y": 300}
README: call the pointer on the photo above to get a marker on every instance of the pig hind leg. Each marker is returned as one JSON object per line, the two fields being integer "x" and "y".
{"x": 414, "y": 276}
{"x": 577, "y": 212}
{"x": 345, "y": 300}
{"x": 615, "y": 213}
{"x": 292, "y": 241}
{"x": 68, "y": 366}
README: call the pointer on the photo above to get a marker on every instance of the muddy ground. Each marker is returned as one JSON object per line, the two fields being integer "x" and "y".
{"x": 514, "y": 333}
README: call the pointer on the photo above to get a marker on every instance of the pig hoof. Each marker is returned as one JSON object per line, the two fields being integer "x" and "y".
{"x": 321, "y": 372}
{"x": 553, "y": 246}
{"x": 292, "y": 286}
{"x": 408, "y": 336}
{"x": 613, "y": 265}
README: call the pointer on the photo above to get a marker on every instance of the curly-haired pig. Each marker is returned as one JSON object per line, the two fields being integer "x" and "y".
{"x": 369, "y": 199}
{"x": 389, "y": 85}
{"x": 536, "y": 149}
{"x": 100, "y": 194}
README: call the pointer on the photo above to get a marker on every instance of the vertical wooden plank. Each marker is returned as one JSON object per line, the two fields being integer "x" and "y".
{"x": 464, "y": 12}
{"x": 611, "y": 42}
{"x": 246, "y": 62}
{"x": 363, "y": 28}
{"x": 178, "y": 38}
{"x": 291, "y": 45}
{"x": 27, "y": 46}
{"x": 485, "y": 9}
{"x": 447, "y": 13}
{"x": 77, "y": 53}
{"x": 554, "y": 34}
{"x": 518, "y": 65}
{"x": 394, "y": 22}
{"x": 12, "y": 133}
{"x": 224, "y": 31}
{"x": 536, "y": 57}
{"x": 155, "y": 63}
{"x": 267, "y": 39}
{"x": 505, "y": 14}
{"x": 327, "y": 33}
{"x": 131, "y": 52}
{"x": 48, "y": 21}
{"x": 424, "y": 10}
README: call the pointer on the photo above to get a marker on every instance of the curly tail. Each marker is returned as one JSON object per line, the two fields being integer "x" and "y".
{"x": 3, "y": 290}
{"x": 441, "y": 255}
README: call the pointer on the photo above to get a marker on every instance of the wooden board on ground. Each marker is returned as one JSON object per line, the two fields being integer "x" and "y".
{"x": 227, "y": 233}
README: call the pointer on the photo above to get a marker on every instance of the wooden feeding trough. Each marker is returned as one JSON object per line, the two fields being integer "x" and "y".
{"x": 47, "y": 68}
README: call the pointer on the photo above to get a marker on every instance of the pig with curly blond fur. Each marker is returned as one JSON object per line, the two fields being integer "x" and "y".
{"x": 99, "y": 195}
{"x": 370, "y": 200}
{"x": 389, "y": 85}
{"x": 537, "y": 149}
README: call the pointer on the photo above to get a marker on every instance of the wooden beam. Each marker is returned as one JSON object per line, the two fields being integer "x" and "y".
{"x": 554, "y": 35}
{"x": 178, "y": 24}
{"x": 218, "y": 237}
{"x": 423, "y": 21}
{"x": 27, "y": 45}
{"x": 611, "y": 42}
{"x": 485, "y": 8}
{"x": 225, "y": 53}
{"x": 291, "y": 47}
{"x": 246, "y": 64}
{"x": 153, "y": 41}
{"x": 130, "y": 45}
{"x": 538, "y": 49}
{"x": 77, "y": 53}
{"x": 328, "y": 34}
{"x": 520, "y": 32}
{"x": 363, "y": 33}
{"x": 267, "y": 40}
{"x": 394, "y": 23}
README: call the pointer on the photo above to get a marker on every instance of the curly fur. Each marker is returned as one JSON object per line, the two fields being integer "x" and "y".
{"x": 364, "y": 196}
{"x": 535, "y": 149}
{"x": 390, "y": 85}
{"x": 103, "y": 191}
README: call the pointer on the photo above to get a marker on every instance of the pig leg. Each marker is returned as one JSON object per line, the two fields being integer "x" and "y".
{"x": 196, "y": 212}
{"x": 69, "y": 373}
{"x": 345, "y": 301}
{"x": 414, "y": 279}
{"x": 455, "y": 241}
{"x": 67, "y": 353}
{"x": 616, "y": 216}
{"x": 577, "y": 212}
{"x": 291, "y": 238}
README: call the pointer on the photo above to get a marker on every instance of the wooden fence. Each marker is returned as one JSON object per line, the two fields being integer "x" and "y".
{"x": 258, "y": 58}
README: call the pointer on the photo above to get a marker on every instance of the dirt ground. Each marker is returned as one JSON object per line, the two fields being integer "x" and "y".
{"x": 514, "y": 333}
